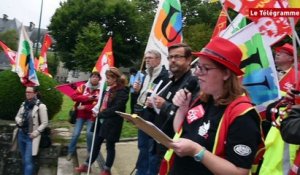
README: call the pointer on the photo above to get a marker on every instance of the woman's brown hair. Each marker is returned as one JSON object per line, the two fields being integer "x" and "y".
{"x": 233, "y": 88}
{"x": 116, "y": 73}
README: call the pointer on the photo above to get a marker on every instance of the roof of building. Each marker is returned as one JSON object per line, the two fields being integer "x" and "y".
{"x": 14, "y": 24}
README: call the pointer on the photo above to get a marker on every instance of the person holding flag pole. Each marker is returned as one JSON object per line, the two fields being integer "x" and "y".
{"x": 108, "y": 124}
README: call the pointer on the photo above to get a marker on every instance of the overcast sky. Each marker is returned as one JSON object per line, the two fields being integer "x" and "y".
{"x": 27, "y": 11}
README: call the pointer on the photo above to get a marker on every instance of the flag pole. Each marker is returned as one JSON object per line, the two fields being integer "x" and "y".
{"x": 226, "y": 12}
{"x": 39, "y": 31}
{"x": 295, "y": 35}
{"x": 95, "y": 110}
{"x": 292, "y": 22}
{"x": 142, "y": 65}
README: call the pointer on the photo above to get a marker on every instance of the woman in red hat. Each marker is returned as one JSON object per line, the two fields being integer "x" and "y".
{"x": 220, "y": 129}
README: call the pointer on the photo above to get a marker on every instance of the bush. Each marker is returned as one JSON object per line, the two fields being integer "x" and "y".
{"x": 12, "y": 94}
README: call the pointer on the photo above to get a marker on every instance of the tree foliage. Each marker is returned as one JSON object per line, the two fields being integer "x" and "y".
{"x": 53, "y": 61}
{"x": 116, "y": 18}
{"x": 10, "y": 38}
{"x": 197, "y": 35}
{"x": 88, "y": 46}
{"x": 75, "y": 23}
{"x": 12, "y": 94}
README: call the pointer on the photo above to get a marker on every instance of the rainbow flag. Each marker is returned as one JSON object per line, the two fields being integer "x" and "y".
{"x": 25, "y": 62}
{"x": 166, "y": 29}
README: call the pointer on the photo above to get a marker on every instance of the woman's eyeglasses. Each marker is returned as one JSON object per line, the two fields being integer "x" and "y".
{"x": 203, "y": 69}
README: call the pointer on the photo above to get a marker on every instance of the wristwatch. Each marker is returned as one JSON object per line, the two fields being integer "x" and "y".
{"x": 199, "y": 156}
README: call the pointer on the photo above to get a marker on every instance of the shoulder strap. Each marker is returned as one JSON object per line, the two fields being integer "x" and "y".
{"x": 235, "y": 109}
{"x": 38, "y": 102}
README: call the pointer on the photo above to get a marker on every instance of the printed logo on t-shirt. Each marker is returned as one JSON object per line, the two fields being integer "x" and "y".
{"x": 203, "y": 129}
{"x": 242, "y": 150}
{"x": 195, "y": 114}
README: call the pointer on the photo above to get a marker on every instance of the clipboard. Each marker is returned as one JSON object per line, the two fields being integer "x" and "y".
{"x": 148, "y": 127}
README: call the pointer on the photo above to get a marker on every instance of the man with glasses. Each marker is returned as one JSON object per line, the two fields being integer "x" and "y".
{"x": 180, "y": 58}
{"x": 155, "y": 72}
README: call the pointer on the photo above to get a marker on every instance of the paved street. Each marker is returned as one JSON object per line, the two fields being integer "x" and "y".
{"x": 126, "y": 156}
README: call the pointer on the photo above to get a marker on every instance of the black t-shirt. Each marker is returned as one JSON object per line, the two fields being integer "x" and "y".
{"x": 241, "y": 144}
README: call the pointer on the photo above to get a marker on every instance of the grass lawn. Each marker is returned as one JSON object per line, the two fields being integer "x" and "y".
{"x": 61, "y": 119}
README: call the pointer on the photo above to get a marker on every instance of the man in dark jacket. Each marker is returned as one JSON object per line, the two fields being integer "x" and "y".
{"x": 290, "y": 126}
{"x": 180, "y": 58}
{"x": 147, "y": 162}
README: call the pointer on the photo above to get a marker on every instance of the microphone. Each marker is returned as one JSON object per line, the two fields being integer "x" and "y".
{"x": 189, "y": 86}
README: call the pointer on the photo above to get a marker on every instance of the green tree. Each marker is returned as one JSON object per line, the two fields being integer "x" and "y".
{"x": 88, "y": 46}
{"x": 197, "y": 36}
{"x": 116, "y": 18}
{"x": 53, "y": 62}
{"x": 10, "y": 38}
{"x": 12, "y": 94}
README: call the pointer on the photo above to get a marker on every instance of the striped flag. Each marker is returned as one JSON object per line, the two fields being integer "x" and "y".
{"x": 42, "y": 61}
{"x": 11, "y": 55}
{"x": 166, "y": 29}
{"x": 25, "y": 62}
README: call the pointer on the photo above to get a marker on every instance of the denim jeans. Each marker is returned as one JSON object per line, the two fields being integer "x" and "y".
{"x": 76, "y": 133}
{"x": 25, "y": 147}
{"x": 147, "y": 163}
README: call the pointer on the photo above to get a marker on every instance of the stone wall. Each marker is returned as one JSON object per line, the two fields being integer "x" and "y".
{"x": 11, "y": 163}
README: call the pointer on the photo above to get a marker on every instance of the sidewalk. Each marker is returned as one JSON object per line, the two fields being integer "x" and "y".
{"x": 125, "y": 160}
{"x": 126, "y": 156}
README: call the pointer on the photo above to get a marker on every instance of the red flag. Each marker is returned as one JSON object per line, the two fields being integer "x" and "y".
{"x": 43, "y": 64}
{"x": 104, "y": 62}
{"x": 270, "y": 27}
{"x": 10, "y": 54}
{"x": 221, "y": 23}
{"x": 106, "y": 57}
{"x": 70, "y": 88}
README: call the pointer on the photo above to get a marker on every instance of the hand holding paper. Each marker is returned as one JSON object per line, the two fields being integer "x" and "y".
{"x": 148, "y": 128}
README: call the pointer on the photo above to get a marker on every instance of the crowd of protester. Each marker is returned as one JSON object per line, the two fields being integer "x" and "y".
{"x": 217, "y": 128}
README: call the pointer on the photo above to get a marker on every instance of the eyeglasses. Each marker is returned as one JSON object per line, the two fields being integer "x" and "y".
{"x": 202, "y": 70}
{"x": 29, "y": 92}
{"x": 176, "y": 57}
{"x": 149, "y": 58}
